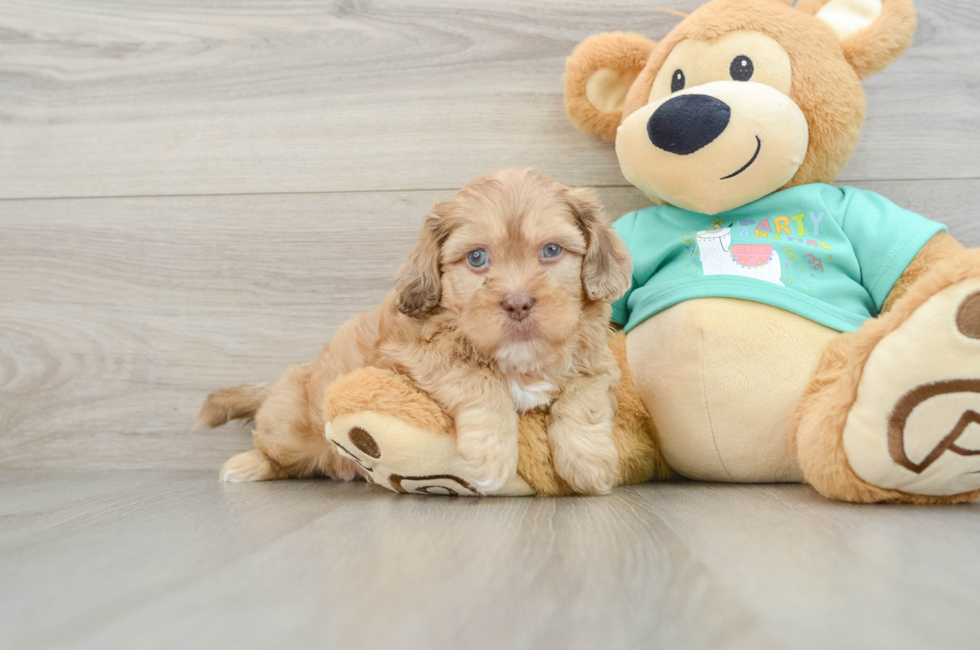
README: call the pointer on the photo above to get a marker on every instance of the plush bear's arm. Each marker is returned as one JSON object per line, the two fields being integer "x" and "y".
{"x": 941, "y": 247}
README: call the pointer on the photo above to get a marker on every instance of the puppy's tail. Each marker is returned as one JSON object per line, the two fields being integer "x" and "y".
{"x": 238, "y": 403}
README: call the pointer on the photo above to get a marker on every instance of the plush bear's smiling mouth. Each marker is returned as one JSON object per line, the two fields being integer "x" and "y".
{"x": 758, "y": 148}
{"x": 663, "y": 149}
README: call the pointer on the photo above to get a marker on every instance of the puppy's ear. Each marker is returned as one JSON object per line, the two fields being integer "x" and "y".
{"x": 607, "y": 268}
{"x": 872, "y": 33}
{"x": 418, "y": 287}
{"x": 598, "y": 75}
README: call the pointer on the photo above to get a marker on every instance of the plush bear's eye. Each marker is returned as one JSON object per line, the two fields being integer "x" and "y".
{"x": 677, "y": 81}
{"x": 741, "y": 68}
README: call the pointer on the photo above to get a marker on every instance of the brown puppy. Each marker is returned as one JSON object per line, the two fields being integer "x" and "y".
{"x": 502, "y": 307}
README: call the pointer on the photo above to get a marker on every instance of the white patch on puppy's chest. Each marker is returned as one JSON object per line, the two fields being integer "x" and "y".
{"x": 527, "y": 397}
{"x": 517, "y": 357}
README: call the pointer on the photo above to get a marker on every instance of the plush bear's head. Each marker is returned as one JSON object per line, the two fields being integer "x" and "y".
{"x": 742, "y": 98}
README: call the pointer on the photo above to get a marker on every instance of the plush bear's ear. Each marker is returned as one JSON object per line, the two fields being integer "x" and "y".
{"x": 872, "y": 33}
{"x": 598, "y": 75}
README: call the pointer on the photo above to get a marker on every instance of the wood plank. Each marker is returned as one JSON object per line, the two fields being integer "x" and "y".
{"x": 386, "y": 570}
{"x": 120, "y": 315}
{"x": 507, "y": 573}
{"x": 151, "y": 97}
{"x": 177, "y": 559}
{"x": 821, "y": 574}
{"x": 94, "y": 546}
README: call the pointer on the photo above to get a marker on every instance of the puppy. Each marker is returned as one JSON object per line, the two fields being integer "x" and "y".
{"x": 501, "y": 308}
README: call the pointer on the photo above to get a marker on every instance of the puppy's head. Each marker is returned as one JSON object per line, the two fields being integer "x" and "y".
{"x": 515, "y": 257}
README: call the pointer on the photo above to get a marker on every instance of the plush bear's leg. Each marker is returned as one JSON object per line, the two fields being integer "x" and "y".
{"x": 398, "y": 435}
{"x": 404, "y": 442}
{"x": 893, "y": 411}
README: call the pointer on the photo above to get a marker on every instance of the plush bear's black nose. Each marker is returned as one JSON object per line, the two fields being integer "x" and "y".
{"x": 686, "y": 123}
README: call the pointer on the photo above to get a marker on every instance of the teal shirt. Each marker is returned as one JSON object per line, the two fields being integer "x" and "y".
{"x": 830, "y": 255}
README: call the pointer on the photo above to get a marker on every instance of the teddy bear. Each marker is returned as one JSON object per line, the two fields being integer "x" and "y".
{"x": 778, "y": 329}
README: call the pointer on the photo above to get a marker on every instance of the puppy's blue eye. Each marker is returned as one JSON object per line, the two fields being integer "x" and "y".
{"x": 477, "y": 258}
{"x": 551, "y": 250}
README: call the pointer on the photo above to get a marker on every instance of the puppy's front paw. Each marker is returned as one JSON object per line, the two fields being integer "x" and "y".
{"x": 487, "y": 460}
{"x": 586, "y": 458}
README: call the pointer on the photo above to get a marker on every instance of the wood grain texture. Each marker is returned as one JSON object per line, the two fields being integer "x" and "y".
{"x": 156, "y": 559}
{"x": 120, "y": 315}
{"x": 285, "y": 153}
{"x": 151, "y": 97}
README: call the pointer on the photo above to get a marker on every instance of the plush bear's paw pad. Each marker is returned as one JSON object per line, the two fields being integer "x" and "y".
{"x": 968, "y": 316}
{"x": 915, "y": 425}
{"x": 397, "y": 456}
{"x": 359, "y": 446}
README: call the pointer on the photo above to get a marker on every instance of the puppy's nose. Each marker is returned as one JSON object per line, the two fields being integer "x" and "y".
{"x": 687, "y": 123}
{"x": 517, "y": 305}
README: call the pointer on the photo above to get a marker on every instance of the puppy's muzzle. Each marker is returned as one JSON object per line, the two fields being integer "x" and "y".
{"x": 517, "y": 305}
{"x": 688, "y": 123}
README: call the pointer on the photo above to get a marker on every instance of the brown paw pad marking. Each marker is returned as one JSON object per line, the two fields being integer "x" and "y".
{"x": 904, "y": 408}
{"x": 363, "y": 441}
{"x": 352, "y": 456}
{"x": 396, "y": 482}
{"x": 968, "y": 316}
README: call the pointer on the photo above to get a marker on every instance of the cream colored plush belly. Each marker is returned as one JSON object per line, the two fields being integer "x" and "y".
{"x": 721, "y": 378}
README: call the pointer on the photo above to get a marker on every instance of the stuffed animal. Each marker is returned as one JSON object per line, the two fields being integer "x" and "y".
{"x": 778, "y": 329}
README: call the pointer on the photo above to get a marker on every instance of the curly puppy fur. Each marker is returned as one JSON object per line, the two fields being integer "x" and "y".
{"x": 454, "y": 330}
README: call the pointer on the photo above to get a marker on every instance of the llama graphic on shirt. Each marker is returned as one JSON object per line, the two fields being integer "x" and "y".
{"x": 719, "y": 257}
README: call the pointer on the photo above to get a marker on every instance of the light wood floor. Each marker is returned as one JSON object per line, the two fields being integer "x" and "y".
{"x": 197, "y": 194}
{"x": 175, "y": 559}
